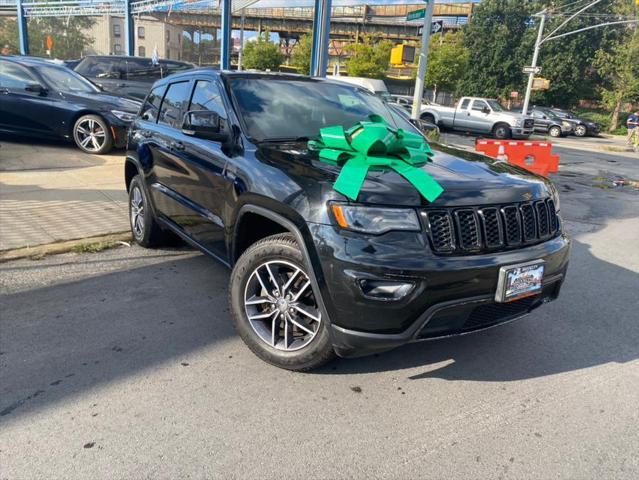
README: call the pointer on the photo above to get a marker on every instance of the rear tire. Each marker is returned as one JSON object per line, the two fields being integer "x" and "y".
{"x": 501, "y": 131}
{"x": 274, "y": 309}
{"x": 555, "y": 132}
{"x": 144, "y": 228}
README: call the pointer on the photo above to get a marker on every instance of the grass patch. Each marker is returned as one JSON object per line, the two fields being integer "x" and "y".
{"x": 95, "y": 247}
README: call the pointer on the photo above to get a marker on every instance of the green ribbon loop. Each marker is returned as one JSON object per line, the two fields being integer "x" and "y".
{"x": 374, "y": 143}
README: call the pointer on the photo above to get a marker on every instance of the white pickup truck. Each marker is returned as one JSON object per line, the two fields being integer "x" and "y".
{"x": 480, "y": 115}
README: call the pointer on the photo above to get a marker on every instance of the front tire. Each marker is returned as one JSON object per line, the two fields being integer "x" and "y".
{"x": 274, "y": 308}
{"x": 555, "y": 132}
{"x": 581, "y": 131}
{"x": 92, "y": 134}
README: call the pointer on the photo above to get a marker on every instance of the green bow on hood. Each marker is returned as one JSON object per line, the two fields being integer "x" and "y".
{"x": 374, "y": 143}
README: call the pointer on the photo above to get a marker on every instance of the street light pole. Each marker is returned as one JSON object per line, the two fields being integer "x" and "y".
{"x": 241, "y": 51}
{"x": 531, "y": 75}
{"x": 423, "y": 59}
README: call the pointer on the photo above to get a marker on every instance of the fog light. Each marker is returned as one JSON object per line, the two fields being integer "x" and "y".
{"x": 384, "y": 289}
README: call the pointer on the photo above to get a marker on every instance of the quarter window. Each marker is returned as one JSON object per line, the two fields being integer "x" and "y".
{"x": 152, "y": 104}
{"x": 206, "y": 96}
{"x": 14, "y": 77}
{"x": 170, "y": 112}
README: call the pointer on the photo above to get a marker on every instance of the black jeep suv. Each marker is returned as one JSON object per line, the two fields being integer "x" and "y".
{"x": 221, "y": 159}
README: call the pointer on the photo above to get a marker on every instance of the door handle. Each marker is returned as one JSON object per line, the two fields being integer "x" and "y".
{"x": 177, "y": 146}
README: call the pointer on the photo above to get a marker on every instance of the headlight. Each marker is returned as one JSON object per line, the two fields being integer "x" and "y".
{"x": 554, "y": 194}
{"x": 374, "y": 220}
{"x": 124, "y": 116}
{"x": 519, "y": 122}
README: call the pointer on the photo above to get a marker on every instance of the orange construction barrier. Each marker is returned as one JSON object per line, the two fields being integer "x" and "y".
{"x": 534, "y": 156}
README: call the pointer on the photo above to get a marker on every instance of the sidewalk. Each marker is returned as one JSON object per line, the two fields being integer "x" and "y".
{"x": 53, "y": 192}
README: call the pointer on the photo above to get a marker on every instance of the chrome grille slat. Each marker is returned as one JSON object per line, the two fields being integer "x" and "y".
{"x": 466, "y": 230}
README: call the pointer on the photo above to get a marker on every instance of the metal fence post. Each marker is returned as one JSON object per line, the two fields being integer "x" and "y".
{"x": 129, "y": 29}
{"x": 23, "y": 31}
{"x": 321, "y": 31}
{"x": 225, "y": 42}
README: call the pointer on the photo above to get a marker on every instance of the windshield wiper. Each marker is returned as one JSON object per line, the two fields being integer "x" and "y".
{"x": 286, "y": 139}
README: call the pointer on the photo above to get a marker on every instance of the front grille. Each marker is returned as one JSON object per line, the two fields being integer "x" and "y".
{"x": 486, "y": 315}
{"x": 528, "y": 123}
{"x": 459, "y": 231}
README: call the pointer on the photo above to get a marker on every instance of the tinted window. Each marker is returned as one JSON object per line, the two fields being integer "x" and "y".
{"x": 152, "y": 104}
{"x": 206, "y": 96}
{"x": 169, "y": 67}
{"x": 171, "y": 110}
{"x": 14, "y": 76}
{"x": 142, "y": 69}
{"x": 479, "y": 105}
{"x": 464, "y": 104}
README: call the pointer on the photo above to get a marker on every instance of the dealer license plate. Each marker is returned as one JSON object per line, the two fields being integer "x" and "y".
{"x": 519, "y": 281}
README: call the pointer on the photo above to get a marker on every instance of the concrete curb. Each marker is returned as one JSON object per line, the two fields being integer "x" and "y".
{"x": 61, "y": 247}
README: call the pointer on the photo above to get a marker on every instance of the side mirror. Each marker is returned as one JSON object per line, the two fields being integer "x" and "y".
{"x": 36, "y": 88}
{"x": 206, "y": 125}
{"x": 485, "y": 110}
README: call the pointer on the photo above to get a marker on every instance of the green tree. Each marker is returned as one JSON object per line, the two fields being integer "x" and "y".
{"x": 619, "y": 70}
{"x": 69, "y": 36}
{"x": 447, "y": 62}
{"x": 302, "y": 54}
{"x": 262, "y": 54}
{"x": 369, "y": 59}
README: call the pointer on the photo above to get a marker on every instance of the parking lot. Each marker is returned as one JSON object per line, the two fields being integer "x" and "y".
{"x": 124, "y": 363}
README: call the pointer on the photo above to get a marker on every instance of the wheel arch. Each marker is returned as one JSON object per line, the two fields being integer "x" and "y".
{"x": 308, "y": 253}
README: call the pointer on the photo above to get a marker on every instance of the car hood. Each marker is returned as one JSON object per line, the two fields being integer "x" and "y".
{"x": 467, "y": 178}
{"x": 105, "y": 100}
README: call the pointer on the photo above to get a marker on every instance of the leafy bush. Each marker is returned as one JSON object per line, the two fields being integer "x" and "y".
{"x": 262, "y": 54}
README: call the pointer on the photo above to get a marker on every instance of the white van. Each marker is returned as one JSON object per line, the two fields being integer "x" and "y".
{"x": 373, "y": 85}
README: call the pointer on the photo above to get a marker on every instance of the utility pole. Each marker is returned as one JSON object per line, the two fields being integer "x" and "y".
{"x": 531, "y": 75}
{"x": 241, "y": 51}
{"x": 423, "y": 59}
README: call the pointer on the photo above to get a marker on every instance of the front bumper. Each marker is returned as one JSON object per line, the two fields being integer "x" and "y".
{"x": 451, "y": 295}
{"x": 519, "y": 132}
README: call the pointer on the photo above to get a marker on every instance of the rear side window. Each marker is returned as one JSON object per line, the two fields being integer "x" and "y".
{"x": 152, "y": 104}
{"x": 206, "y": 96}
{"x": 14, "y": 77}
{"x": 102, "y": 68}
{"x": 142, "y": 70}
{"x": 464, "y": 104}
{"x": 176, "y": 96}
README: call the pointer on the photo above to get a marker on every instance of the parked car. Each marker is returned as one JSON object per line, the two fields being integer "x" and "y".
{"x": 373, "y": 85}
{"x": 582, "y": 127}
{"x": 547, "y": 122}
{"x": 480, "y": 115}
{"x": 221, "y": 159}
{"x": 130, "y": 76}
{"x": 46, "y": 100}
{"x": 406, "y": 102}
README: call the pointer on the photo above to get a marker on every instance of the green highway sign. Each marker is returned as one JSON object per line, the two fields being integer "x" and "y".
{"x": 416, "y": 14}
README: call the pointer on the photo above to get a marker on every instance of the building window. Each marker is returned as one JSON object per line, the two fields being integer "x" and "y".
{"x": 168, "y": 36}
{"x": 116, "y": 30}
{"x": 117, "y": 48}
{"x": 141, "y": 52}
{"x": 141, "y": 32}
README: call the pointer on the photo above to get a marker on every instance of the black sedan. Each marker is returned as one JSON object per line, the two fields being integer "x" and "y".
{"x": 582, "y": 127}
{"x": 45, "y": 100}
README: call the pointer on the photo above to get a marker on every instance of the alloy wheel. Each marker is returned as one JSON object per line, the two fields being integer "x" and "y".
{"x": 137, "y": 212}
{"x": 90, "y": 134}
{"x": 580, "y": 131}
{"x": 280, "y": 305}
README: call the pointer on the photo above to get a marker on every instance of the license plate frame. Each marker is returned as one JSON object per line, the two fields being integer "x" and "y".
{"x": 507, "y": 291}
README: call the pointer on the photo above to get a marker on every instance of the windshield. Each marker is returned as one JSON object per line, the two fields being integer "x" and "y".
{"x": 550, "y": 114}
{"x": 495, "y": 105}
{"x": 66, "y": 80}
{"x": 281, "y": 109}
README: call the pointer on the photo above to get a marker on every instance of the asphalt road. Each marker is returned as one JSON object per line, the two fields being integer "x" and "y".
{"x": 124, "y": 364}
